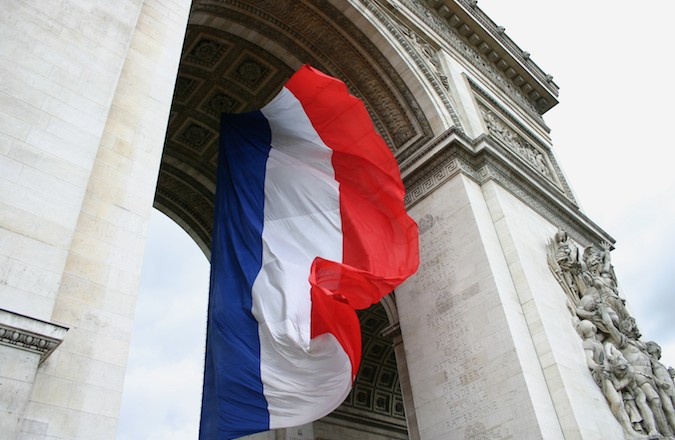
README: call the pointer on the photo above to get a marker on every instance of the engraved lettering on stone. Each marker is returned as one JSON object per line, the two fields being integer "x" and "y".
{"x": 436, "y": 270}
{"x": 637, "y": 387}
{"x": 478, "y": 431}
{"x": 459, "y": 367}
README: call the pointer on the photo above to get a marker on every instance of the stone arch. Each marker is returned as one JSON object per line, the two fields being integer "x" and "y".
{"x": 236, "y": 56}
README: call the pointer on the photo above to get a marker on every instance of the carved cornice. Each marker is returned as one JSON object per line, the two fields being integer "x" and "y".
{"x": 493, "y": 62}
{"x": 486, "y": 159}
{"x": 29, "y": 334}
{"x": 497, "y": 32}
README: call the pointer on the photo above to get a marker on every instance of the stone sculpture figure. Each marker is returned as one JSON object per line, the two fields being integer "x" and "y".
{"x": 563, "y": 260}
{"x": 604, "y": 317}
{"x": 663, "y": 381}
{"x": 635, "y": 403}
{"x": 598, "y": 275}
{"x": 611, "y": 380}
{"x": 635, "y": 352}
{"x": 639, "y": 389}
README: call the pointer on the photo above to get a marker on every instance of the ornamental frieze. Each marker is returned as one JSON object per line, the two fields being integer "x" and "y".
{"x": 469, "y": 53}
{"x": 515, "y": 142}
{"x": 423, "y": 54}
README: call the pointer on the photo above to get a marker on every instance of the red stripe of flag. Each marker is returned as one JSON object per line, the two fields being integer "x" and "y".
{"x": 380, "y": 240}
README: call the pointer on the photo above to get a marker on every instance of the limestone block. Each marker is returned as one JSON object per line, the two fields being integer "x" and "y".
{"x": 100, "y": 275}
{"x": 472, "y": 365}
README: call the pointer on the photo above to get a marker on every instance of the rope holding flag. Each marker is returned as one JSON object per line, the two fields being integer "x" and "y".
{"x": 309, "y": 226}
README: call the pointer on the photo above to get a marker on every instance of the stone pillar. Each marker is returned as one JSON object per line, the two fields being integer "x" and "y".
{"x": 82, "y": 383}
{"x": 472, "y": 362}
{"x": 404, "y": 380}
{"x": 88, "y": 87}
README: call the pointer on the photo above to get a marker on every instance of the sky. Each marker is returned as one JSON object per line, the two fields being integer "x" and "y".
{"x": 611, "y": 137}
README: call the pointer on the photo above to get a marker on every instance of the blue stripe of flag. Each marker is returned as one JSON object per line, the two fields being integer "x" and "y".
{"x": 233, "y": 403}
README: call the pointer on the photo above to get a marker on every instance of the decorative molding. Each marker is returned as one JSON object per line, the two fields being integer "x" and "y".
{"x": 498, "y": 33}
{"x": 558, "y": 176}
{"x": 421, "y": 52}
{"x": 440, "y": 172}
{"x": 30, "y": 334}
{"x": 451, "y": 36}
{"x": 485, "y": 159}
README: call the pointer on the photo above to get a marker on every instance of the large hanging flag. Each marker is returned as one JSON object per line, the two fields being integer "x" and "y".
{"x": 309, "y": 227}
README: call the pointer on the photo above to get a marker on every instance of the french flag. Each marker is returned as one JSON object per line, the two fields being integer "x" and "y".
{"x": 309, "y": 226}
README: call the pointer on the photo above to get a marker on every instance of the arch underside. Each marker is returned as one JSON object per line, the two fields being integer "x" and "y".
{"x": 236, "y": 57}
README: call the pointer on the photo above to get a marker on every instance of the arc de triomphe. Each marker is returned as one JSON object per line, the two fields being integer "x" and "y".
{"x": 110, "y": 108}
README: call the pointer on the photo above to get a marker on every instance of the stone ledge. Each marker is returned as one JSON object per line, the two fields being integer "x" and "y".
{"x": 30, "y": 334}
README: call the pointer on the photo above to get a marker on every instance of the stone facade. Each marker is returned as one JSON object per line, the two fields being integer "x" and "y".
{"x": 108, "y": 106}
{"x": 87, "y": 88}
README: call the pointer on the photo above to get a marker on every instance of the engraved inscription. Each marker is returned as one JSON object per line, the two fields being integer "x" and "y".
{"x": 461, "y": 356}
{"x": 436, "y": 272}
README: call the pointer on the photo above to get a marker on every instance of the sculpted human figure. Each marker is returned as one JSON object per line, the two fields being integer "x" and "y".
{"x": 567, "y": 255}
{"x": 610, "y": 382}
{"x": 598, "y": 274}
{"x": 634, "y": 400}
{"x": 604, "y": 317}
{"x": 636, "y": 354}
{"x": 663, "y": 382}
{"x": 598, "y": 264}
{"x": 566, "y": 266}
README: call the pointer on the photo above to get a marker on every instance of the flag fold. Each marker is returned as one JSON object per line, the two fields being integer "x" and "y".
{"x": 309, "y": 226}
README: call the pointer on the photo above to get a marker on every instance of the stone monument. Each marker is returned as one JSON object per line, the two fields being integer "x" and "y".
{"x": 111, "y": 107}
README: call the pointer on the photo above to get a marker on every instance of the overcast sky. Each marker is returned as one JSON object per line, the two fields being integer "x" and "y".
{"x": 611, "y": 135}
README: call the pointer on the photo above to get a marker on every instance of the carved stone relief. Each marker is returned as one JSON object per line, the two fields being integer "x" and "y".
{"x": 639, "y": 389}
{"x": 517, "y": 143}
{"x": 472, "y": 55}
{"x": 424, "y": 55}
{"x": 427, "y": 52}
